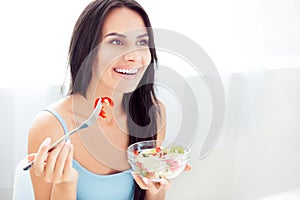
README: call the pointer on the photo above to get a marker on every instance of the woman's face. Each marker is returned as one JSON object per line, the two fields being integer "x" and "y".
{"x": 123, "y": 55}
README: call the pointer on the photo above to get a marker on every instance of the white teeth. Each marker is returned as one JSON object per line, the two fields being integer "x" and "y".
{"x": 126, "y": 71}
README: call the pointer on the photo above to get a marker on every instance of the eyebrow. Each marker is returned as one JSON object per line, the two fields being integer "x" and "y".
{"x": 124, "y": 36}
{"x": 143, "y": 35}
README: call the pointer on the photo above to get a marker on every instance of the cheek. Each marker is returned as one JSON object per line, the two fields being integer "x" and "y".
{"x": 146, "y": 57}
{"x": 104, "y": 59}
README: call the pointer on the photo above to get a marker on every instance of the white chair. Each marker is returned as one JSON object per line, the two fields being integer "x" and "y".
{"x": 22, "y": 188}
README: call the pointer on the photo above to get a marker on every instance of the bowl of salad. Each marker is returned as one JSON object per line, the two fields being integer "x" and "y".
{"x": 158, "y": 159}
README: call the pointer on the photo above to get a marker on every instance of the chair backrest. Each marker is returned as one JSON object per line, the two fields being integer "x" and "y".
{"x": 22, "y": 188}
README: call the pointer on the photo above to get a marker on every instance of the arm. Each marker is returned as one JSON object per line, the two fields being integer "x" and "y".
{"x": 48, "y": 184}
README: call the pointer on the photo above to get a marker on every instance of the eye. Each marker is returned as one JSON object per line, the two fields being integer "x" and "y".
{"x": 116, "y": 42}
{"x": 142, "y": 42}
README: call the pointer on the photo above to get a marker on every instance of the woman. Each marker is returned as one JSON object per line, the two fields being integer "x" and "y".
{"x": 111, "y": 54}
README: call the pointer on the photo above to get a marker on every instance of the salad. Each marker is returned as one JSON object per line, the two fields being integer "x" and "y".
{"x": 159, "y": 162}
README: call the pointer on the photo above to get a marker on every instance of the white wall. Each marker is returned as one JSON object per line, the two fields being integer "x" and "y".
{"x": 6, "y": 142}
{"x": 258, "y": 155}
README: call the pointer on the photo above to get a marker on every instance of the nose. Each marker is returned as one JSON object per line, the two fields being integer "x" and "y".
{"x": 133, "y": 56}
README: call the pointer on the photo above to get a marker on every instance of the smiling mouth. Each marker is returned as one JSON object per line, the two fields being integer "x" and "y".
{"x": 124, "y": 71}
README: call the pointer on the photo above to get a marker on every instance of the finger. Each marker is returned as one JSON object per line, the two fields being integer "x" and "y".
{"x": 188, "y": 167}
{"x": 153, "y": 187}
{"x": 61, "y": 160}
{"x": 165, "y": 184}
{"x": 31, "y": 157}
{"x": 146, "y": 184}
{"x": 68, "y": 164}
{"x": 51, "y": 161}
{"x": 41, "y": 156}
{"x": 139, "y": 181}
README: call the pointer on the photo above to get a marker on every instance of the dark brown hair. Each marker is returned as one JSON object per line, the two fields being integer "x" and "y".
{"x": 139, "y": 104}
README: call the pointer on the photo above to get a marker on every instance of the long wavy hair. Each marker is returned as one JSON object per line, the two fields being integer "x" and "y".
{"x": 139, "y": 104}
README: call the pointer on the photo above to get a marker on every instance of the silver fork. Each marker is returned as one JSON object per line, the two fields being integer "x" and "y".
{"x": 85, "y": 124}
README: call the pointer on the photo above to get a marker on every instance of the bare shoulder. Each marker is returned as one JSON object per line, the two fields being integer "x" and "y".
{"x": 45, "y": 125}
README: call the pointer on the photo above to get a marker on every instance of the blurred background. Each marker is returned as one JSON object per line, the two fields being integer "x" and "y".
{"x": 255, "y": 46}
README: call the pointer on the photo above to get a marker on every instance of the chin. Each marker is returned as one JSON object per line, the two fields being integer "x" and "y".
{"x": 125, "y": 88}
{"x": 127, "y": 85}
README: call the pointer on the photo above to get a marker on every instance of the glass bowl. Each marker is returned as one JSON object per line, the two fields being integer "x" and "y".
{"x": 158, "y": 159}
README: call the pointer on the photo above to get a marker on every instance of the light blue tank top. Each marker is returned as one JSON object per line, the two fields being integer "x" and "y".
{"x": 93, "y": 186}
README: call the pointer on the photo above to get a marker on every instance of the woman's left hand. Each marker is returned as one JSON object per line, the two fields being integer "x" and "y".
{"x": 154, "y": 187}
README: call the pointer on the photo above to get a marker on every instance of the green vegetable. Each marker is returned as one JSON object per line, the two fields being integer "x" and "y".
{"x": 177, "y": 149}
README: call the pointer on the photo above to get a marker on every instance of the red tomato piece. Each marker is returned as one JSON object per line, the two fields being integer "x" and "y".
{"x": 136, "y": 152}
{"x": 102, "y": 114}
{"x": 106, "y": 100}
{"x": 158, "y": 149}
{"x": 96, "y": 102}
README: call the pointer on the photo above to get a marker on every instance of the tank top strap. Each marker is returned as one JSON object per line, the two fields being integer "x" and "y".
{"x": 59, "y": 118}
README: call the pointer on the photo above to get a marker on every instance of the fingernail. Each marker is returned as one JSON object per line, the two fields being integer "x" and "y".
{"x": 30, "y": 157}
{"x": 146, "y": 181}
{"x": 163, "y": 181}
{"x": 68, "y": 142}
{"x": 133, "y": 174}
{"x": 47, "y": 141}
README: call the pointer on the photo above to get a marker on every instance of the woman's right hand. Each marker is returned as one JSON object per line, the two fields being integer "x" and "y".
{"x": 54, "y": 167}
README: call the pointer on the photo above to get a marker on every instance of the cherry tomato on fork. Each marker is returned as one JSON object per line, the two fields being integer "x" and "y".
{"x": 106, "y": 100}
